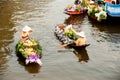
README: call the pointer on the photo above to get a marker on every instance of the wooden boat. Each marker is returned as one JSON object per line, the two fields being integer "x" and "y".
{"x": 73, "y": 12}
{"x": 59, "y": 32}
{"x": 113, "y": 10}
{"x": 30, "y": 51}
{"x": 76, "y": 9}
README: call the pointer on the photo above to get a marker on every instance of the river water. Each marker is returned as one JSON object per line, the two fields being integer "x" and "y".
{"x": 102, "y": 56}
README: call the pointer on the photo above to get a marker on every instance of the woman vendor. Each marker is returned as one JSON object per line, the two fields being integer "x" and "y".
{"x": 81, "y": 39}
{"x": 25, "y": 33}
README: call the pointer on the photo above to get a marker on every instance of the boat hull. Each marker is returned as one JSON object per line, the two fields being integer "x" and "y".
{"x": 75, "y": 12}
{"x": 113, "y": 10}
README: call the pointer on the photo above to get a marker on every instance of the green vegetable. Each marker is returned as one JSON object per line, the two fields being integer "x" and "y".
{"x": 69, "y": 33}
{"x": 76, "y": 2}
{"x": 69, "y": 6}
{"x": 78, "y": 8}
{"x": 22, "y": 48}
{"x": 84, "y": 3}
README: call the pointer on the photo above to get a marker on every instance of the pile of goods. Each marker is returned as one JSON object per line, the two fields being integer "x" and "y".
{"x": 65, "y": 34}
{"x": 30, "y": 50}
{"x": 96, "y": 12}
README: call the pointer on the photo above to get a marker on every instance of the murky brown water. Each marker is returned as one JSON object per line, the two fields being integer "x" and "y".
{"x": 102, "y": 56}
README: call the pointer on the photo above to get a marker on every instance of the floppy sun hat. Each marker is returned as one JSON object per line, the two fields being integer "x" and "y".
{"x": 27, "y": 29}
{"x": 92, "y": 2}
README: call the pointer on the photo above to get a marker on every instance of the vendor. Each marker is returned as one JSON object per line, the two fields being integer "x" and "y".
{"x": 25, "y": 33}
{"x": 81, "y": 39}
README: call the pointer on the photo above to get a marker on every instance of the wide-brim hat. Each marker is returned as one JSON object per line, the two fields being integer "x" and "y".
{"x": 81, "y": 34}
{"x": 27, "y": 29}
{"x": 92, "y": 2}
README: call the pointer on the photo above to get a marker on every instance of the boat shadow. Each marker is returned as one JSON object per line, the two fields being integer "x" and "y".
{"x": 111, "y": 25}
{"x": 74, "y": 19}
{"x": 81, "y": 54}
{"x": 109, "y": 21}
{"x": 31, "y": 68}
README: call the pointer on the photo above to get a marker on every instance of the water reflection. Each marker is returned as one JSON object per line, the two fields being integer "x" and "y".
{"x": 6, "y": 32}
{"x": 107, "y": 32}
{"x": 110, "y": 25}
{"x": 74, "y": 19}
{"x": 31, "y": 68}
{"x": 81, "y": 54}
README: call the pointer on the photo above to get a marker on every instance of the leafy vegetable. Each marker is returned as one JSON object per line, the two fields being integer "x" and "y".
{"x": 76, "y": 2}
{"x": 69, "y": 6}
{"x": 84, "y": 3}
{"x": 28, "y": 48}
{"x": 78, "y": 8}
{"x": 69, "y": 33}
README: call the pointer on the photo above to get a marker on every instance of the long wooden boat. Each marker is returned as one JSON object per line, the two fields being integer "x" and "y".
{"x": 75, "y": 9}
{"x": 73, "y": 12}
{"x": 112, "y": 10}
{"x": 59, "y": 32}
{"x": 30, "y": 51}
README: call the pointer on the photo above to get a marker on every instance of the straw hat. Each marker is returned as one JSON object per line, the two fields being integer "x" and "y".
{"x": 92, "y": 2}
{"x": 27, "y": 29}
{"x": 81, "y": 34}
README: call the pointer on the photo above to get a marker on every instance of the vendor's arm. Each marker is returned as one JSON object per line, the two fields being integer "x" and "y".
{"x": 62, "y": 46}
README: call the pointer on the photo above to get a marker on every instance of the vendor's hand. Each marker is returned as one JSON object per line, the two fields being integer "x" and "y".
{"x": 61, "y": 46}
